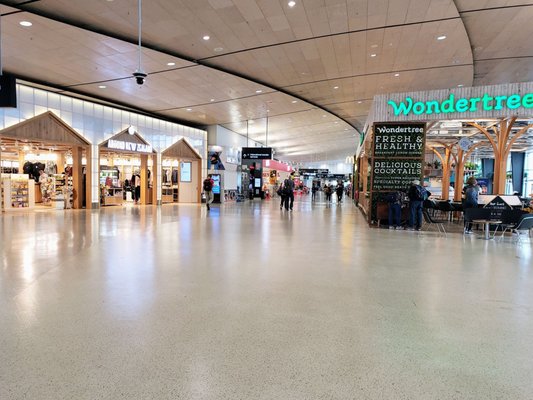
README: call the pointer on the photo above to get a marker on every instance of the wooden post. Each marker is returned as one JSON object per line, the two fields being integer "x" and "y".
{"x": 77, "y": 177}
{"x": 21, "y": 162}
{"x": 144, "y": 179}
{"x": 446, "y": 168}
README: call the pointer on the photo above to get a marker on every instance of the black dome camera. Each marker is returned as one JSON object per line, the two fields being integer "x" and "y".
{"x": 140, "y": 76}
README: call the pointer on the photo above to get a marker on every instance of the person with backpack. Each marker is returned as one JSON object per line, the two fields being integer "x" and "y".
{"x": 208, "y": 190}
{"x": 340, "y": 191}
{"x": 417, "y": 194}
{"x": 288, "y": 193}
{"x": 395, "y": 209}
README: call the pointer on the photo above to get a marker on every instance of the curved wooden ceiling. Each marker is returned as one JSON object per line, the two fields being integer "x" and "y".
{"x": 313, "y": 68}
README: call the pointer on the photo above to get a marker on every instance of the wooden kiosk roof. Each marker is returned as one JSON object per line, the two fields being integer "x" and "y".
{"x": 125, "y": 136}
{"x": 181, "y": 149}
{"x": 46, "y": 128}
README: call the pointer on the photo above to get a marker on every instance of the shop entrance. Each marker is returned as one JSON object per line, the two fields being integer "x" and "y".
{"x": 126, "y": 170}
{"x": 180, "y": 175}
{"x": 44, "y": 163}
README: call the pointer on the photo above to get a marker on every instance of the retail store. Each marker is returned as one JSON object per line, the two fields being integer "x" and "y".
{"x": 441, "y": 138}
{"x": 44, "y": 164}
{"x": 126, "y": 175}
{"x": 181, "y": 178}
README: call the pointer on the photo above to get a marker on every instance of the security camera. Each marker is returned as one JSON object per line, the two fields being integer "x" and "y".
{"x": 140, "y": 76}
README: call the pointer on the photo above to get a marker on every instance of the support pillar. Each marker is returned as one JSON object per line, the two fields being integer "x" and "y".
{"x": 77, "y": 177}
{"x": 94, "y": 179}
{"x": 144, "y": 179}
{"x": 88, "y": 180}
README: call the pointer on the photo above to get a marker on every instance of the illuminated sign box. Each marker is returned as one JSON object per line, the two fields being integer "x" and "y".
{"x": 461, "y": 105}
{"x": 129, "y": 146}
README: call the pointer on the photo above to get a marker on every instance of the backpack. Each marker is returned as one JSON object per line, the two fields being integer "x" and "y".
{"x": 421, "y": 193}
{"x": 287, "y": 188}
{"x": 207, "y": 185}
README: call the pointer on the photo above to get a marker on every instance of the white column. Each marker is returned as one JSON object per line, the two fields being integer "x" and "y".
{"x": 158, "y": 169}
{"x": 95, "y": 176}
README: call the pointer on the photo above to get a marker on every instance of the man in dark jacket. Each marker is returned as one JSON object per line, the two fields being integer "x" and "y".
{"x": 208, "y": 190}
{"x": 288, "y": 192}
{"x": 417, "y": 194}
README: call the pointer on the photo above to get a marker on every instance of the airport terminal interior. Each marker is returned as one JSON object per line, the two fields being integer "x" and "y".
{"x": 266, "y": 199}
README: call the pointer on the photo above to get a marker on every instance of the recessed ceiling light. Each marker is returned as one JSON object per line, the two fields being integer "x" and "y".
{"x": 291, "y": 3}
{"x": 171, "y": 64}
{"x": 460, "y": 85}
{"x": 25, "y": 23}
{"x": 206, "y": 37}
{"x": 335, "y": 87}
{"x": 373, "y": 55}
{"x": 359, "y": 102}
{"x": 396, "y": 74}
{"x": 346, "y": 129}
{"x": 189, "y": 109}
{"x": 336, "y": 122}
{"x": 259, "y": 91}
{"x": 102, "y": 86}
{"x": 294, "y": 101}
{"x": 212, "y": 100}
{"x": 442, "y": 37}
{"x": 218, "y": 49}
{"x": 323, "y": 116}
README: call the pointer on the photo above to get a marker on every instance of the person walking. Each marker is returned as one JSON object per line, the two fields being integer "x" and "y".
{"x": 288, "y": 191}
{"x": 340, "y": 191}
{"x": 417, "y": 194}
{"x": 471, "y": 192}
{"x": 208, "y": 190}
{"x": 281, "y": 195}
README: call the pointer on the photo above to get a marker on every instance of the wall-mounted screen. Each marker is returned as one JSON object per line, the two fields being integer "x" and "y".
{"x": 185, "y": 172}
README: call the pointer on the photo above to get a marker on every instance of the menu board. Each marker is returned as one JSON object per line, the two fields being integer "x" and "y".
{"x": 397, "y": 157}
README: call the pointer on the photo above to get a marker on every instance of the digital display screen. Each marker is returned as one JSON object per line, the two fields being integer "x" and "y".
{"x": 185, "y": 172}
{"x": 216, "y": 186}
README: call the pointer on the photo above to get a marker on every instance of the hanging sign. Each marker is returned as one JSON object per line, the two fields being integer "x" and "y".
{"x": 129, "y": 146}
{"x": 461, "y": 105}
{"x": 257, "y": 153}
{"x": 399, "y": 140}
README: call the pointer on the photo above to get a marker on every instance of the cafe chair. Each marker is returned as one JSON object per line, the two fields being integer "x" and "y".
{"x": 510, "y": 220}
{"x": 525, "y": 224}
{"x": 472, "y": 214}
{"x": 431, "y": 222}
{"x": 446, "y": 207}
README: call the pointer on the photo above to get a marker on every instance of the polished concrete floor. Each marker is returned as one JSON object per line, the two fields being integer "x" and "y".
{"x": 250, "y": 302}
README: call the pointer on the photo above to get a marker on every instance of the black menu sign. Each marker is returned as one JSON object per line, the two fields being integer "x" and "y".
{"x": 496, "y": 206}
{"x": 397, "y": 157}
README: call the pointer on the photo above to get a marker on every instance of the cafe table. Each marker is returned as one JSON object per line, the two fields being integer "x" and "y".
{"x": 487, "y": 223}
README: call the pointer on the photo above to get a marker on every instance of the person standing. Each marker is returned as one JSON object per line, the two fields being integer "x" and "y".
{"x": 417, "y": 194}
{"x": 395, "y": 209}
{"x": 471, "y": 192}
{"x": 314, "y": 189}
{"x": 208, "y": 190}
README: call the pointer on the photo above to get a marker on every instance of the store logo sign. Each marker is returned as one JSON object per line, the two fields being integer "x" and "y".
{"x": 128, "y": 146}
{"x": 461, "y": 105}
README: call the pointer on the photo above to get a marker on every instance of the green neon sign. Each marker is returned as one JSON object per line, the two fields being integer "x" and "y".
{"x": 461, "y": 105}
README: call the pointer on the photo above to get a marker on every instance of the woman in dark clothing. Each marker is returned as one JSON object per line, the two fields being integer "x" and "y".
{"x": 471, "y": 192}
